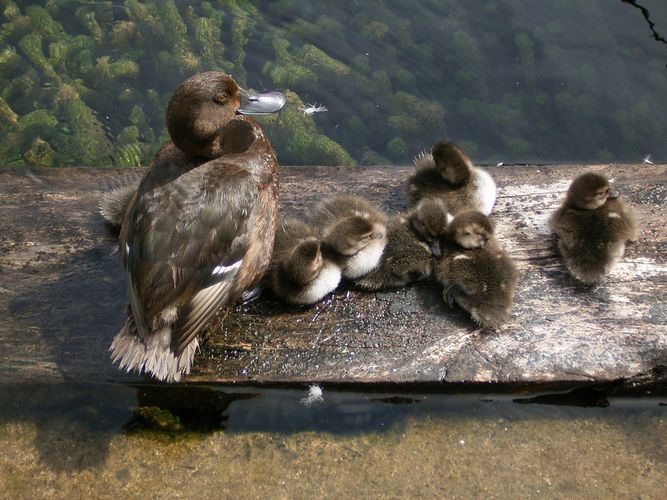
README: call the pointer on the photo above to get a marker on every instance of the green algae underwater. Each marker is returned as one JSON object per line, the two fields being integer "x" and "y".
{"x": 86, "y": 83}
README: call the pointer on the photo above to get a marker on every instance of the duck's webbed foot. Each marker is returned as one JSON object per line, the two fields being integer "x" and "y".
{"x": 448, "y": 294}
{"x": 252, "y": 294}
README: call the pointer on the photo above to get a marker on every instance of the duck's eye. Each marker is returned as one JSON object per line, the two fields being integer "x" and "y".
{"x": 221, "y": 98}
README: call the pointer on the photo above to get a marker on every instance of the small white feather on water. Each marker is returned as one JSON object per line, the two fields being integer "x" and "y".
{"x": 315, "y": 395}
{"x": 311, "y": 109}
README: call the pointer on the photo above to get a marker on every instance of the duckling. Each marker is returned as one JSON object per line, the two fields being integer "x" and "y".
{"x": 592, "y": 226}
{"x": 413, "y": 239}
{"x": 477, "y": 274}
{"x": 200, "y": 229}
{"x": 448, "y": 173}
{"x": 354, "y": 231}
{"x": 114, "y": 203}
{"x": 300, "y": 272}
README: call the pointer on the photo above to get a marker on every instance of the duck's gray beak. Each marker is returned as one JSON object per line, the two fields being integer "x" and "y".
{"x": 613, "y": 194}
{"x": 261, "y": 104}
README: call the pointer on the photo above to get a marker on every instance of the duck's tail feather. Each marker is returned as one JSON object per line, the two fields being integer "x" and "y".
{"x": 424, "y": 159}
{"x": 114, "y": 203}
{"x": 152, "y": 355}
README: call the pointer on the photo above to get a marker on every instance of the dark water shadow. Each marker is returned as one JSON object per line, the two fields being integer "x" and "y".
{"x": 68, "y": 309}
{"x": 76, "y": 422}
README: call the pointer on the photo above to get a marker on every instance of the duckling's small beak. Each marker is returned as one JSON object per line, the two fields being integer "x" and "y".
{"x": 261, "y": 104}
{"x": 436, "y": 248}
{"x": 613, "y": 194}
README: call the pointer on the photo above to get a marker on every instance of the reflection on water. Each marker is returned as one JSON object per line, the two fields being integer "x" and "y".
{"x": 76, "y": 439}
{"x": 87, "y": 82}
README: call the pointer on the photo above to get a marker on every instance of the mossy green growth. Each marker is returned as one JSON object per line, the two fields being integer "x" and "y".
{"x": 9, "y": 62}
{"x": 11, "y": 10}
{"x": 41, "y": 118}
{"x": 45, "y": 25}
{"x": 40, "y": 153}
{"x": 8, "y": 117}
{"x": 89, "y": 20}
{"x": 155, "y": 418}
{"x": 398, "y": 150}
{"x": 31, "y": 45}
{"x": 391, "y": 82}
{"x": 85, "y": 135}
{"x": 131, "y": 150}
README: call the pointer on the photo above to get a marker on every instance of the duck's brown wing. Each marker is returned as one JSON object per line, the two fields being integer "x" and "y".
{"x": 184, "y": 247}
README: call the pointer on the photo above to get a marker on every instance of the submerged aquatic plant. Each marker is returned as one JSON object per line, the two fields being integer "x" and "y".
{"x": 88, "y": 82}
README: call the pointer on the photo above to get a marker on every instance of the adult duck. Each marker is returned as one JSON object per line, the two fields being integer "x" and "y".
{"x": 199, "y": 230}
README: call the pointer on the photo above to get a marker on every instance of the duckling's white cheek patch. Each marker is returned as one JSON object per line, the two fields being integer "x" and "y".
{"x": 486, "y": 191}
{"x": 461, "y": 257}
{"x": 364, "y": 261}
{"x": 325, "y": 283}
{"x": 614, "y": 215}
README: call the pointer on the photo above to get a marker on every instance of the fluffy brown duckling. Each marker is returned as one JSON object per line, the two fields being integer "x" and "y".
{"x": 300, "y": 272}
{"x": 447, "y": 173}
{"x": 477, "y": 274}
{"x": 592, "y": 226}
{"x": 200, "y": 229}
{"x": 413, "y": 239}
{"x": 354, "y": 231}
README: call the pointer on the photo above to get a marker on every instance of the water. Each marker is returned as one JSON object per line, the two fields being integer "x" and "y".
{"x": 513, "y": 81}
{"x": 77, "y": 439}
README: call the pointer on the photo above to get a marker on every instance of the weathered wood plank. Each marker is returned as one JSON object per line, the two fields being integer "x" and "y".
{"x": 63, "y": 291}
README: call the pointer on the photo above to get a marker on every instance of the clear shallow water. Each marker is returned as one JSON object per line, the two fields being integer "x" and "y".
{"x": 514, "y": 81}
{"x": 78, "y": 440}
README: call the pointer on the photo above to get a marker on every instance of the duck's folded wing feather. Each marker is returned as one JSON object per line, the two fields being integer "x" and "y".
{"x": 185, "y": 248}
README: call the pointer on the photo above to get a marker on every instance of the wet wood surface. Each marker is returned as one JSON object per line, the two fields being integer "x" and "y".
{"x": 62, "y": 292}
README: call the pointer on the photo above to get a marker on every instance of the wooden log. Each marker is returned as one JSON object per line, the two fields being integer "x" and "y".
{"x": 63, "y": 292}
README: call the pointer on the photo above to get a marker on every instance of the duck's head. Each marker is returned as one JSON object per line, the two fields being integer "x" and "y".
{"x": 200, "y": 114}
{"x": 351, "y": 235}
{"x": 304, "y": 262}
{"x": 452, "y": 163}
{"x": 589, "y": 191}
{"x": 471, "y": 229}
{"x": 429, "y": 220}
